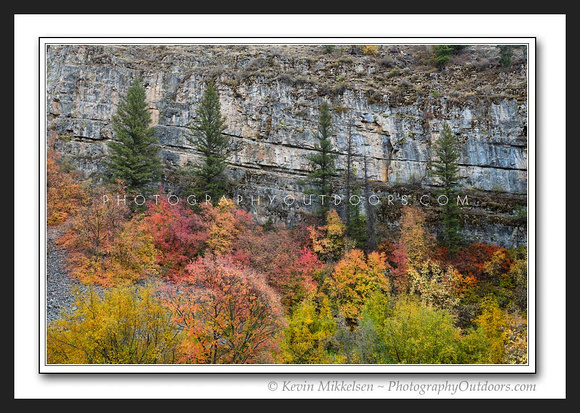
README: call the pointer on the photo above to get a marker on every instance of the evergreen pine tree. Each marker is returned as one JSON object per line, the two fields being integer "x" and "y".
{"x": 445, "y": 168}
{"x": 371, "y": 241}
{"x": 134, "y": 155}
{"x": 356, "y": 228}
{"x": 208, "y": 137}
{"x": 355, "y": 222}
{"x": 505, "y": 55}
{"x": 323, "y": 163}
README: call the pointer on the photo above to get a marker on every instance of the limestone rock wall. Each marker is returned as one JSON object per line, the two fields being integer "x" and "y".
{"x": 391, "y": 102}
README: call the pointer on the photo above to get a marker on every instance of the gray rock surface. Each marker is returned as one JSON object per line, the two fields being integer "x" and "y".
{"x": 393, "y": 104}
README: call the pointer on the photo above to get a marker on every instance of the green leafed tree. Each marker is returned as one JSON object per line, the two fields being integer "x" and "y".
{"x": 446, "y": 169}
{"x": 134, "y": 154}
{"x": 208, "y": 137}
{"x": 420, "y": 334}
{"x": 323, "y": 163}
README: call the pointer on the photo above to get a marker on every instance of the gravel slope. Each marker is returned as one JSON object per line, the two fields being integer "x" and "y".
{"x": 59, "y": 282}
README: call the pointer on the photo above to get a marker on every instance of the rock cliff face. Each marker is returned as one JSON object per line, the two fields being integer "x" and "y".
{"x": 391, "y": 99}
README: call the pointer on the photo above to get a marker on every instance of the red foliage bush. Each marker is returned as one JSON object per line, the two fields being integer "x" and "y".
{"x": 470, "y": 260}
{"x": 179, "y": 235}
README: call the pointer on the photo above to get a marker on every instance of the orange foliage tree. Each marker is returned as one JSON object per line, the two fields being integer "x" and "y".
{"x": 415, "y": 240}
{"x": 228, "y": 313}
{"x": 106, "y": 247}
{"x": 289, "y": 268}
{"x": 224, "y": 224}
{"x": 498, "y": 265}
{"x": 65, "y": 192}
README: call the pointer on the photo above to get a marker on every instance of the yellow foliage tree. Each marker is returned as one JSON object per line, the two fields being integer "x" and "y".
{"x": 435, "y": 285}
{"x": 516, "y": 339}
{"x": 486, "y": 344}
{"x": 328, "y": 241}
{"x": 309, "y": 332}
{"x": 493, "y": 322}
{"x": 415, "y": 240}
{"x": 354, "y": 278}
{"x": 123, "y": 325}
{"x": 222, "y": 231}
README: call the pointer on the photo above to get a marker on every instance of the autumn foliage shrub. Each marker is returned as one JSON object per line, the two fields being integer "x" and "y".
{"x": 355, "y": 278}
{"x": 328, "y": 241}
{"x": 123, "y": 325}
{"x": 65, "y": 192}
{"x": 106, "y": 246}
{"x": 290, "y": 269}
{"x": 471, "y": 260}
{"x": 179, "y": 235}
{"x": 228, "y": 313}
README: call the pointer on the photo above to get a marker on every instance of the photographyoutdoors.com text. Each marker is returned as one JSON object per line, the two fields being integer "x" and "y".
{"x": 291, "y": 200}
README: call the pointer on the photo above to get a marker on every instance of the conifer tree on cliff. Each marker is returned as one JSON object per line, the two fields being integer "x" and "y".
{"x": 208, "y": 137}
{"x": 134, "y": 154}
{"x": 323, "y": 163}
{"x": 445, "y": 168}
